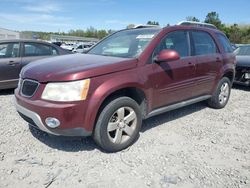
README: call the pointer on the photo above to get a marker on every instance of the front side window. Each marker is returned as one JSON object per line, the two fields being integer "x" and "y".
{"x": 127, "y": 43}
{"x": 35, "y": 49}
{"x": 225, "y": 43}
{"x": 203, "y": 43}
{"x": 177, "y": 40}
{"x": 9, "y": 50}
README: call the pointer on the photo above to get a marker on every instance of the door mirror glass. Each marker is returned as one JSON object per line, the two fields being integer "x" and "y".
{"x": 166, "y": 56}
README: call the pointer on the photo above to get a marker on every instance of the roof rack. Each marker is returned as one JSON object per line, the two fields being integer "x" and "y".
{"x": 197, "y": 24}
{"x": 144, "y": 26}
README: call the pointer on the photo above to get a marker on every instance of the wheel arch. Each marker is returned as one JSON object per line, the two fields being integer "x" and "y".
{"x": 99, "y": 100}
{"x": 230, "y": 75}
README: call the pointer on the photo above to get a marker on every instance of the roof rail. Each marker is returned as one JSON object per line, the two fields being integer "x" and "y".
{"x": 197, "y": 24}
{"x": 144, "y": 26}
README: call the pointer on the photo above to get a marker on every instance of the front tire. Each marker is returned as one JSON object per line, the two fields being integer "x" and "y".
{"x": 118, "y": 124}
{"x": 221, "y": 95}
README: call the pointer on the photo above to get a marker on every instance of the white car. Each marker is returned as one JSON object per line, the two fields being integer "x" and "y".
{"x": 69, "y": 47}
{"x": 82, "y": 48}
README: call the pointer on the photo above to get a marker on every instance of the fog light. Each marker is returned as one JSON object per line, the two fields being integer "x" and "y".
{"x": 52, "y": 122}
{"x": 247, "y": 75}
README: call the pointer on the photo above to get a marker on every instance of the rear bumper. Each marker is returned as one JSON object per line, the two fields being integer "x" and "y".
{"x": 245, "y": 83}
{"x": 37, "y": 121}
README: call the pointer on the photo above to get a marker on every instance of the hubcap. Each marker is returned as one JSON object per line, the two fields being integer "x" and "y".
{"x": 224, "y": 93}
{"x": 121, "y": 125}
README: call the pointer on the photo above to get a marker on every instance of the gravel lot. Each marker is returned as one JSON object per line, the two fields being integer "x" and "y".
{"x": 191, "y": 147}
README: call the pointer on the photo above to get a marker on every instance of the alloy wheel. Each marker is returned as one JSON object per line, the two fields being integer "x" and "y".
{"x": 224, "y": 93}
{"x": 121, "y": 125}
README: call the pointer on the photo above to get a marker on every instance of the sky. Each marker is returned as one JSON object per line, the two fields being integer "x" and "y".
{"x": 63, "y": 15}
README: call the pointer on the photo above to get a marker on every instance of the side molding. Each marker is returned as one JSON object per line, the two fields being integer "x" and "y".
{"x": 177, "y": 105}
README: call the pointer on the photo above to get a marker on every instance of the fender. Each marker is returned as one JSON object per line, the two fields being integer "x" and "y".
{"x": 110, "y": 84}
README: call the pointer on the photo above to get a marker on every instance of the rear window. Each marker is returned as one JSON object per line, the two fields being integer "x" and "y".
{"x": 243, "y": 51}
{"x": 203, "y": 43}
{"x": 36, "y": 49}
{"x": 225, "y": 43}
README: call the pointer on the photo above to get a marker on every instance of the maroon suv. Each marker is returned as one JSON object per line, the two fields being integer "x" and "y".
{"x": 127, "y": 77}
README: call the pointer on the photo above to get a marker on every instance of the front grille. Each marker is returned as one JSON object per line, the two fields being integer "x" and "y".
{"x": 29, "y": 87}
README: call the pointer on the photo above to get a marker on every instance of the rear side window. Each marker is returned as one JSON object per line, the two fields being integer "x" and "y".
{"x": 9, "y": 50}
{"x": 225, "y": 43}
{"x": 36, "y": 49}
{"x": 203, "y": 43}
{"x": 177, "y": 40}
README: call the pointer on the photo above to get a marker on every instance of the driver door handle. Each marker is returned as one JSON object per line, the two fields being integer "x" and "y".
{"x": 12, "y": 63}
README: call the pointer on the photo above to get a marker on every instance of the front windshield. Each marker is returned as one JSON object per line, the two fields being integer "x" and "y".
{"x": 127, "y": 43}
{"x": 243, "y": 50}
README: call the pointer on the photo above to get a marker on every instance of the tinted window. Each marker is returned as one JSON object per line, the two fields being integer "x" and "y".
{"x": 225, "y": 43}
{"x": 9, "y": 50}
{"x": 243, "y": 50}
{"x": 177, "y": 41}
{"x": 79, "y": 47}
{"x": 203, "y": 43}
{"x": 35, "y": 49}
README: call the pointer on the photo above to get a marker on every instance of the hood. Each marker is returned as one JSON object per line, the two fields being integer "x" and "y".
{"x": 243, "y": 61}
{"x": 75, "y": 67}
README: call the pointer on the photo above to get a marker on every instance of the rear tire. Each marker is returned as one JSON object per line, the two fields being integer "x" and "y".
{"x": 118, "y": 124}
{"x": 221, "y": 95}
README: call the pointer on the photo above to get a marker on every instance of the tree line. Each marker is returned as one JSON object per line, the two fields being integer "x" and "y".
{"x": 89, "y": 32}
{"x": 236, "y": 33}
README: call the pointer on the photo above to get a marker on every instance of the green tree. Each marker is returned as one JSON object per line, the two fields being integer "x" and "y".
{"x": 213, "y": 18}
{"x": 234, "y": 33}
{"x": 101, "y": 34}
{"x": 192, "y": 18}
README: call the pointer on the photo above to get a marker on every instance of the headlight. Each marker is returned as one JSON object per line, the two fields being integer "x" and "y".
{"x": 247, "y": 75}
{"x": 66, "y": 91}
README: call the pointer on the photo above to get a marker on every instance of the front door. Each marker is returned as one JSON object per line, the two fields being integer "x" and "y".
{"x": 10, "y": 64}
{"x": 174, "y": 80}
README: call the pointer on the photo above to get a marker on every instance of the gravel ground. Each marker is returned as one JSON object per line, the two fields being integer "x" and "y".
{"x": 191, "y": 147}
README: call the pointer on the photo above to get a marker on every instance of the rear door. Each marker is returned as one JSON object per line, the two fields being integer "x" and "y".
{"x": 33, "y": 51}
{"x": 208, "y": 62}
{"x": 173, "y": 81}
{"x": 10, "y": 64}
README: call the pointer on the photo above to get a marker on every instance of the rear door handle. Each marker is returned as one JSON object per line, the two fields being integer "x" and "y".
{"x": 218, "y": 60}
{"x": 191, "y": 64}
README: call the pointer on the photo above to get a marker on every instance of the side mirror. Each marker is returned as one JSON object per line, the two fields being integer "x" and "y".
{"x": 167, "y": 55}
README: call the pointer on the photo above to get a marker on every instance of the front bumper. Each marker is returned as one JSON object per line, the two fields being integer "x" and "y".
{"x": 35, "y": 119}
{"x": 241, "y": 77}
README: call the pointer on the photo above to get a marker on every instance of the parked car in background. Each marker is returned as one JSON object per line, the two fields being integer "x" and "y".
{"x": 234, "y": 46}
{"x": 82, "y": 48}
{"x": 243, "y": 65}
{"x": 131, "y": 75}
{"x": 68, "y": 46}
{"x": 15, "y": 54}
{"x": 57, "y": 43}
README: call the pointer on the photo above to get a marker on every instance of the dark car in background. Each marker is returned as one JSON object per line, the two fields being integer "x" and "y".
{"x": 243, "y": 65}
{"x": 15, "y": 54}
